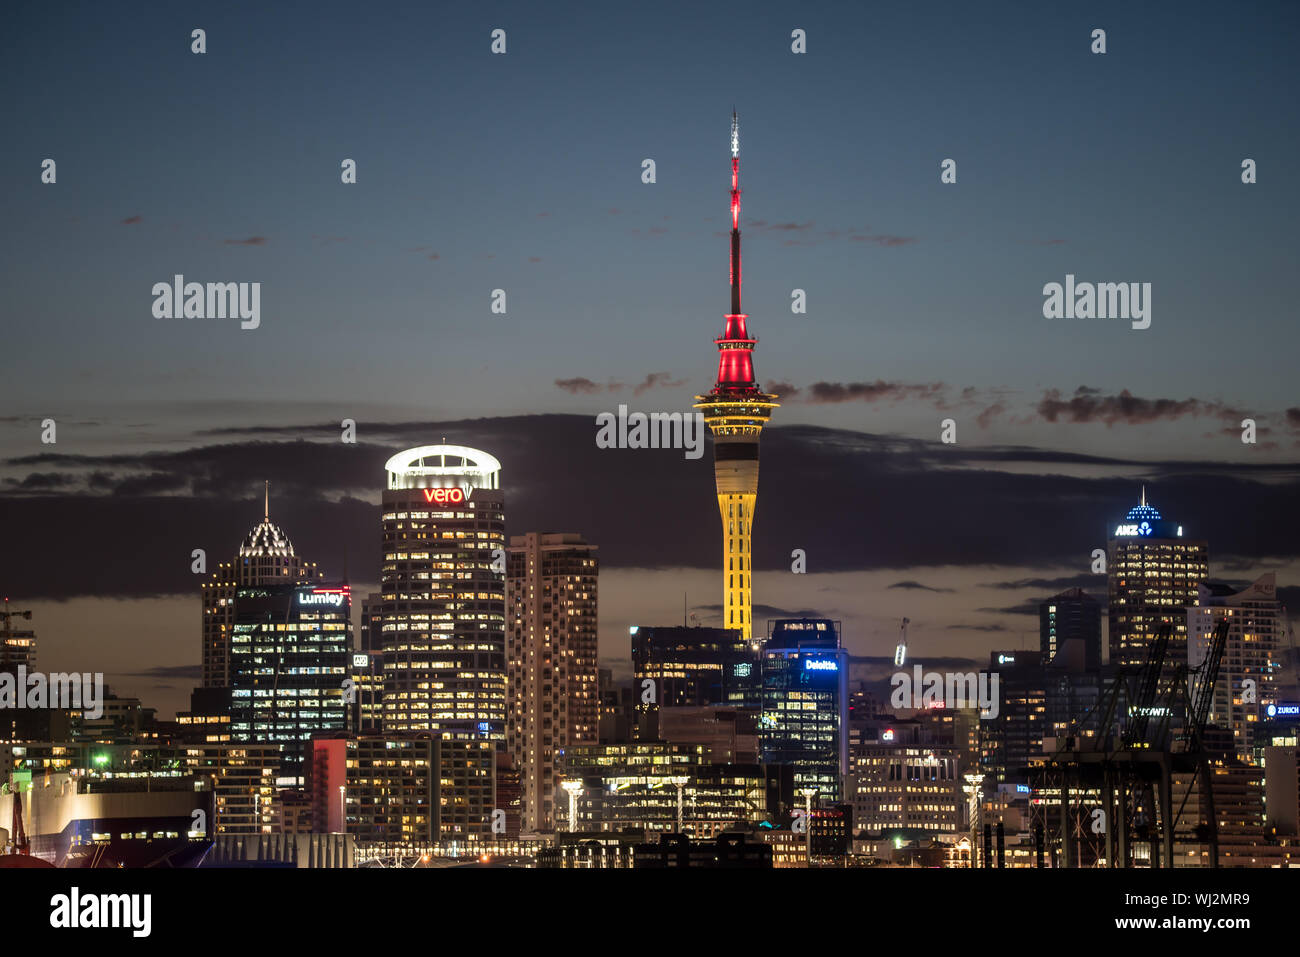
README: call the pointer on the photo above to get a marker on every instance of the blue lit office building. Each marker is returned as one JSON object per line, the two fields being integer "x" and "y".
{"x": 803, "y": 722}
{"x": 290, "y": 653}
{"x": 1154, "y": 572}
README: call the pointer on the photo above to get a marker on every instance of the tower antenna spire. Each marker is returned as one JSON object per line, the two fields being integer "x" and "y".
{"x": 1144, "y": 495}
{"x": 266, "y": 502}
{"x": 736, "y": 410}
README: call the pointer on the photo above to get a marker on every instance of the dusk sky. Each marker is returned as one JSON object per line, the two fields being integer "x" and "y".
{"x": 522, "y": 172}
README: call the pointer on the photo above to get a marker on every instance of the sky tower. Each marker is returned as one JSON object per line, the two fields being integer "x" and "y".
{"x": 736, "y": 410}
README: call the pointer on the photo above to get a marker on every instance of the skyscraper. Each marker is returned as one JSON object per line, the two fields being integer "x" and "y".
{"x": 551, "y": 662}
{"x": 736, "y": 410}
{"x": 1154, "y": 571}
{"x": 266, "y": 557}
{"x": 290, "y": 653}
{"x": 442, "y": 608}
{"x": 1071, "y": 616}
{"x": 804, "y": 722}
{"x": 1247, "y": 681}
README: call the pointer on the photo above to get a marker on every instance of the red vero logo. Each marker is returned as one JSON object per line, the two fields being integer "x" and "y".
{"x": 444, "y": 496}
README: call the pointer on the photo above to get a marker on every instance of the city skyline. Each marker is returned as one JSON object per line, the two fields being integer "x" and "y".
{"x": 319, "y": 450}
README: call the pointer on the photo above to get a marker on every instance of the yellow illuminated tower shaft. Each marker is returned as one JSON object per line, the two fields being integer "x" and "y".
{"x": 736, "y": 411}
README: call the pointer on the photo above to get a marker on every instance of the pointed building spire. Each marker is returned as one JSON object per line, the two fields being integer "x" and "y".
{"x": 735, "y": 225}
{"x": 1144, "y": 495}
{"x": 266, "y": 503}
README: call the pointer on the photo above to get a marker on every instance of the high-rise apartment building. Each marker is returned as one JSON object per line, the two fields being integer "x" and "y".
{"x": 1248, "y": 672}
{"x": 553, "y": 678}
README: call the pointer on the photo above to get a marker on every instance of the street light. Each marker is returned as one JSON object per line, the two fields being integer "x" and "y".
{"x": 808, "y": 794}
{"x": 574, "y": 788}
{"x": 680, "y": 783}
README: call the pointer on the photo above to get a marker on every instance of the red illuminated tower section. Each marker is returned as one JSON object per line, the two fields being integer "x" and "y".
{"x": 736, "y": 411}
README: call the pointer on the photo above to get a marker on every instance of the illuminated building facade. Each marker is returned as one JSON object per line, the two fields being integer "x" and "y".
{"x": 414, "y": 789}
{"x": 690, "y": 667}
{"x": 1247, "y": 681}
{"x": 17, "y": 645}
{"x": 243, "y": 783}
{"x": 442, "y": 604}
{"x": 1154, "y": 571}
{"x": 266, "y": 557}
{"x": 653, "y": 785}
{"x": 804, "y": 719}
{"x": 290, "y": 653}
{"x": 553, "y": 690}
{"x": 907, "y": 787}
{"x": 736, "y": 410}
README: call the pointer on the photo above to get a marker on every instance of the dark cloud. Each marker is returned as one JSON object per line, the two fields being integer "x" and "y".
{"x": 918, "y": 586}
{"x": 658, "y": 380}
{"x": 250, "y": 241}
{"x": 1087, "y": 405}
{"x": 578, "y": 386}
{"x": 823, "y": 392}
{"x": 1095, "y": 584}
{"x": 854, "y": 500}
{"x": 132, "y": 220}
{"x": 763, "y": 612}
{"x": 194, "y": 672}
{"x": 1027, "y": 607}
{"x": 42, "y": 480}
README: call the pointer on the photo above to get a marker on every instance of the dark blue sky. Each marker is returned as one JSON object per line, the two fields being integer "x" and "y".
{"x": 1122, "y": 167}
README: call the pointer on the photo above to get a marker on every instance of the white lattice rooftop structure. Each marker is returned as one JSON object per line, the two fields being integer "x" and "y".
{"x": 443, "y": 466}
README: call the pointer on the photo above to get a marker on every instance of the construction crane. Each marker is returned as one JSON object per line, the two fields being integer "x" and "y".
{"x": 17, "y": 833}
{"x": 900, "y": 653}
{"x": 1206, "y": 674}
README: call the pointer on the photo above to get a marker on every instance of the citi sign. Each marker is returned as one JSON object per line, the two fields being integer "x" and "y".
{"x": 444, "y": 496}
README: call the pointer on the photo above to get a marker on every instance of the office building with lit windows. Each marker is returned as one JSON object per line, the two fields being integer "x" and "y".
{"x": 1154, "y": 569}
{"x": 804, "y": 718}
{"x": 290, "y": 655}
{"x": 1248, "y": 672}
{"x": 1073, "y": 616}
{"x": 442, "y": 603}
{"x": 662, "y": 787}
{"x": 409, "y": 789}
{"x": 265, "y": 557}
{"x": 1012, "y": 741}
{"x": 680, "y": 667}
{"x": 910, "y": 787}
{"x": 553, "y": 690}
